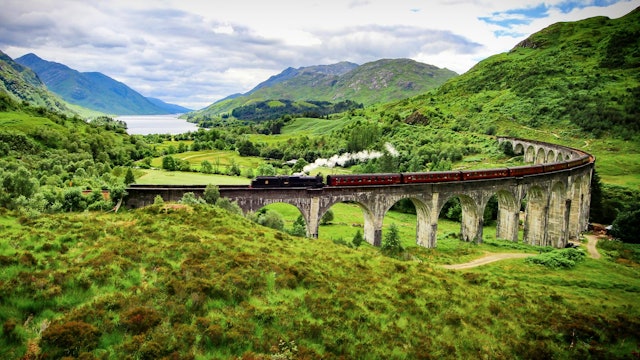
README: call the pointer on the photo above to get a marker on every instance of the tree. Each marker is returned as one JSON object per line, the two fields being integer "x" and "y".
{"x": 327, "y": 218}
{"x": 626, "y": 226}
{"x": 266, "y": 169}
{"x": 206, "y": 167}
{"x": 300, "y": 164}
{"x": 73, "y": 199}
{"x": 391, "y": 245}
{"x": 358, "y": 239}
{"x": 129, "y": 178}
{"x": 490, "y": 211}
{"x": 299, "y": 227}
{"x": 211, "y": 194}
{"x": 158, "y": 200}
{"x": 596, "y": 213}
{"x": 117, "y": 191}
{"x": 247, "y": 148}
{"x": 234, "y": 169}
{"x": 169, "y": 163}
{"x": 271, "y": 219}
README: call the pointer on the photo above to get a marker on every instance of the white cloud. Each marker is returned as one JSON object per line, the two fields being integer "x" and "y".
{"x": 196, "y": 52}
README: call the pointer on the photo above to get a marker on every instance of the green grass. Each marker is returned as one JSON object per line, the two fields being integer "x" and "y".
{"x": 26, "y": 123}
{"x": 348, "y": 219}
{"x": 222, "y": 158}
{"x": 159, "y": 177}
{"x": 222, "y": 287}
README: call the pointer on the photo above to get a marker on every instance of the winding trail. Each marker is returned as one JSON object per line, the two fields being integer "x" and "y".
{"x": 488, "y": 258}
{"x": 591, "y": 246}
{"x": 492, "y": 257}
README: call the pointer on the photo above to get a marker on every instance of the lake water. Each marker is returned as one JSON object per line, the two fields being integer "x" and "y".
{"x": 157, "y": 124}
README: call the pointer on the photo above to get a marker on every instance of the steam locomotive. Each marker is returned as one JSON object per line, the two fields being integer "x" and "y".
{"x": 415, "y": 177}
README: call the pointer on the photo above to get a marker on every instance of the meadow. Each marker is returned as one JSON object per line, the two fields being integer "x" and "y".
{"x": 200, "y": 283}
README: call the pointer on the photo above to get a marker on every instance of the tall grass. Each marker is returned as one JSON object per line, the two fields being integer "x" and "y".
{"x": 199, "y": 283}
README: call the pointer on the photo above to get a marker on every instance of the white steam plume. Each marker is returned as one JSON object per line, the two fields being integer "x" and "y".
{"x": 342, "y": 159}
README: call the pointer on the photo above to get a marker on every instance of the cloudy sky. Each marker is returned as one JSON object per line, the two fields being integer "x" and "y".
{"x": 194, "y": 52}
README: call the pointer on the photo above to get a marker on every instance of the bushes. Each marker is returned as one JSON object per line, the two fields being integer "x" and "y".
{"x": 626, "y": 226}
{"x": 69, "y": 339}
{"x": 558, "y": 259}
{"x": 140, "y": 319}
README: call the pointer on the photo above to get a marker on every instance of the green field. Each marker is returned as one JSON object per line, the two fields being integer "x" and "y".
{"x": 159, "y": 177}
{"x": 199, "y": 283}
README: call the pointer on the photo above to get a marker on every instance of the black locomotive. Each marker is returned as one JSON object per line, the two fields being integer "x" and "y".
{"x": 287, "y": 181}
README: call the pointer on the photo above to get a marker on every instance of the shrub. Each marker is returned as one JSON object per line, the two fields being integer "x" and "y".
{"x": 140, "y": 319}
{"x": 69, "y": 339}
{"x": 10, "y": 331}
{"x": 190, "y": 199}
{"x": 229, "y": 206}
{"x": 558, "y": 259}
{"x": 211, "y": 194}
{"x": 158, "y": 200}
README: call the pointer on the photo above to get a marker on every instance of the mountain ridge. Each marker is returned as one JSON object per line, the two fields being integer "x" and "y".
{"x": 94, "y": 90}
{"x": 23, "y": 84}
{"x": 378, "y": 81}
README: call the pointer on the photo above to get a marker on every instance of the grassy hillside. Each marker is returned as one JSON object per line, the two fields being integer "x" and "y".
{"x": 199, "y": 283}
{"x": 570, "y": 79}
{"x": 22, "y": 84}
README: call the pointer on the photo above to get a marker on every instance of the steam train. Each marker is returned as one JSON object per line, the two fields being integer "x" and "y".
{"x": 415, "y": 177}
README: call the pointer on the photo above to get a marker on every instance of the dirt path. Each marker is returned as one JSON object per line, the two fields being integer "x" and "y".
{"x": 591, "y": 246}
{"x": 488, "y": 258}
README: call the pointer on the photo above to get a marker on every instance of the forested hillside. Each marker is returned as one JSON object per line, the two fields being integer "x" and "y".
{"x": 48, "y": 158}
{"x": 374, "y": 82}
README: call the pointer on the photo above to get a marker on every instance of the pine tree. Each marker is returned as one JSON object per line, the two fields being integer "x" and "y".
{"x": 129, "y": 178}
{"x": 391, "y": 245}
{"x": 358, "y": 239}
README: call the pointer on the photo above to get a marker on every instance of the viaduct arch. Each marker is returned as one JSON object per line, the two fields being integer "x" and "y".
{"x": 557, "y": 202}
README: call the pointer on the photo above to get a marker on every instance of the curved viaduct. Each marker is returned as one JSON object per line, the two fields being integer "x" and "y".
{"x": 557, "y": 203}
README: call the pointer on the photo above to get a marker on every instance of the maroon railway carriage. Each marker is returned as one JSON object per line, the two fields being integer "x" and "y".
{"x": 485, "y": 174}
{"x": 363, "y": 179}
{"x": 556, "y": 166}
{"x": 520, "y": 171}
{"x": 429, "y": 177}
{"x": 579, "y": 161}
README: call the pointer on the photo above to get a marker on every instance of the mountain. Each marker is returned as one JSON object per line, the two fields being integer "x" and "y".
{"x": 338, "y": 69}
{"x": 572, "y": 78}
{"x": 170, "y": 108}
{"x": 375, "y": 82}
{"x": 93, "y": 90}
{"x": 22, "y": 84}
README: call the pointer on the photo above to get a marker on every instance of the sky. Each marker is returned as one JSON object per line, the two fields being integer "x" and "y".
{"x": 195, "y": 52}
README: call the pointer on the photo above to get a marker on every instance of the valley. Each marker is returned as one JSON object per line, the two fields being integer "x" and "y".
{"x": 198, "y": 279}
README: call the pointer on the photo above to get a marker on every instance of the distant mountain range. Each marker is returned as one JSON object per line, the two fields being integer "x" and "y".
{"x": 94, "y": 90}
{"x": 22, "y": 84}
{"x": 379, "y": 81}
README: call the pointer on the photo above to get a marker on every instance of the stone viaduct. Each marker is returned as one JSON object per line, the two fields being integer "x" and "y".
{"x": 556, "y": 204}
